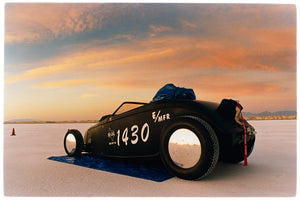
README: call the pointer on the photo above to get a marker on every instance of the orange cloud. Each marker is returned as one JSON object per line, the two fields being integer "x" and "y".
{"x": 65, "y": 83}
{"x": 29, "y": 22}
{"x": 116, "y": 82}
{"x": 241, "y": 47}
{"x": 39, "y": 72}
{"x": 230, "y": 85}
{"x": 162, "y": 53}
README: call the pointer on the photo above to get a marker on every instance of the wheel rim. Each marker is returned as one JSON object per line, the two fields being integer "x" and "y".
{"x": 70, "y": 143}
{"x": 184, "y": 148}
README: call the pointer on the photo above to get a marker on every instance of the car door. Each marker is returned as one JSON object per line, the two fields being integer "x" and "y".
{"x": 131, "y": 133}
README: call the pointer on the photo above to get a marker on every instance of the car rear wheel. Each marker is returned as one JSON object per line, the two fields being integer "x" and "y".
{"x": 235, "y": 154}
{"x": 73, "y": 143}
{"x": 189, "y": 148}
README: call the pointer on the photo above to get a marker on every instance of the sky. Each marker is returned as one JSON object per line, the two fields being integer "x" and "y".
{"x": 68, "y": 61}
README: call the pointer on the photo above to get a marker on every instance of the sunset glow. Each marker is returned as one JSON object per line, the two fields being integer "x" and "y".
{"x": 81, "y": 61}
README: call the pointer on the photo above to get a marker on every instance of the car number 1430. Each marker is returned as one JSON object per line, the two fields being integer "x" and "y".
{"x": 133, "y": 135}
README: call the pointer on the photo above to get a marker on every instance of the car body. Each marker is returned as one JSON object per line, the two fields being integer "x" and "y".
{"x": 190, "y": 136}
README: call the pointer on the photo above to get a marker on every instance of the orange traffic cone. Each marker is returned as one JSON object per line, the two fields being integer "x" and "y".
{"x": 13, "y": 132}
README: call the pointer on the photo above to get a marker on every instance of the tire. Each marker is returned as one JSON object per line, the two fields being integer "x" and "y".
{"x": 209, "y": 148}
{"x": 73, "y": 143}
{"x": 236, "y": 153}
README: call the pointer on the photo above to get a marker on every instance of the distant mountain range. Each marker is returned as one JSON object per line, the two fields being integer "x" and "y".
{"x": 23, "y": 120}
{"x": 267, "y": 113}
{"x": 245, "y": 114}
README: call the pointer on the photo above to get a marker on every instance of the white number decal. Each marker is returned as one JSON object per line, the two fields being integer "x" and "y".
{"x": 135, "y": 129}
{"x": 145, "y": 131}
{"x": 143, "y": 136}
{"x": 118, "y": 138}
{"x": 125, "y": 136}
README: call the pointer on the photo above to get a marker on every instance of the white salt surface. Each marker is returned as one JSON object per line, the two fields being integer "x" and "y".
{"x": 271, "y": 170}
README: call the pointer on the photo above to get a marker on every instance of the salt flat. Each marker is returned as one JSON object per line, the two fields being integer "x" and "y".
{"x": 271, "y": 170}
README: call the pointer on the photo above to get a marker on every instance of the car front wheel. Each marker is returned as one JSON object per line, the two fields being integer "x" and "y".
{"x": 189, "y": 148}
{"x": 73, "y": 143}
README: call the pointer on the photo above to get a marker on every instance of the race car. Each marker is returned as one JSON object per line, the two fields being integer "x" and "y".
{"x": 190, "y": 136}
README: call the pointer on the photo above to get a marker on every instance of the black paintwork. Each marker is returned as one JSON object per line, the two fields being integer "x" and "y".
{"x": 141, "y": 128}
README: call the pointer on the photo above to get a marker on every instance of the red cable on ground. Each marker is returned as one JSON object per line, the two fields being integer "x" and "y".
{"x": 245, "y": 137}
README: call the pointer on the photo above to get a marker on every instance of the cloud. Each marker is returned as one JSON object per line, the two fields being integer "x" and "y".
{"x": 147, "y": 61}
{"x": 156, "y": 29}
{"x": 107, "y": 83}
{"x": 153, "y": 55}
{"x": 189, "y": 24}
{"x": 33, "y": 22}
{"x": 66, "y": 83}
{"x": 226, "y": 36}
{"x": 218, "y": 85}
{"x": 213, "y": 85}
{"x": 92, "y": 59}
{"x": 40, "y": 22}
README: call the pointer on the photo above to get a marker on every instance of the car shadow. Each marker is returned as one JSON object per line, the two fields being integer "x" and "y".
{"x": 221, "y": 171}
{"x": 226, "y": 170}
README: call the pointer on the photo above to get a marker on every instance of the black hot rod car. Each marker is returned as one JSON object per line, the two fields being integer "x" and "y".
{"x": 190, "y": 136}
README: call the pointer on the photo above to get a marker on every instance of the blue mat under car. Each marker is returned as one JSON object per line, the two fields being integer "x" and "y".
{"x": 150, "y": 170}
